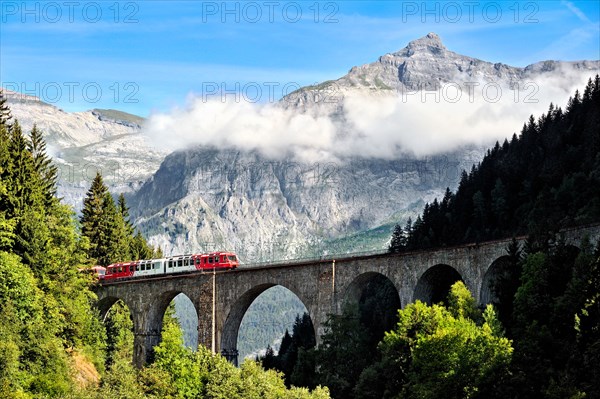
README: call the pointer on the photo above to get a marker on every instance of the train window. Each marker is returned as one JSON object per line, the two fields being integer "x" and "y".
{"x": 231, "y": 258}
{"x": 179, "y": 263}
{"x": 210, "y": 259}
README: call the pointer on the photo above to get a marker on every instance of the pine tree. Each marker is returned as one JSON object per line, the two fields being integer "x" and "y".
{"x": 23, "y": 182}
{"x": 5, "y": 115}
{"x": 124, "y": 211}
{"x": 6, "y": 225}
{"x": 117, "y": 243}
{"x": 43, "y": 164}
{"x": 139, "y": 248}
{"x": 24, "y": 201}
{"x": 92, "y": 215}
{"x": 398, "y": 242}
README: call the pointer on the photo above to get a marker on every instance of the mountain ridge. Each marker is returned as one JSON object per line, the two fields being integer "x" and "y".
{"x": 423, "y": 64}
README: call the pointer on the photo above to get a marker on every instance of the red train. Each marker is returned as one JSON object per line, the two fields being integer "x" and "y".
{"x": 171, "y": 265}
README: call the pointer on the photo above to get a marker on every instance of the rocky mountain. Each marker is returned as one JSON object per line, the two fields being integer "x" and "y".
{"x": 206, "y": 198}
{"x": 424, "y": 64}
{"x": 83, "y": 142}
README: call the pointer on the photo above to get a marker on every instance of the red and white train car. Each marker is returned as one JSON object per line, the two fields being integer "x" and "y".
{"x": 171, "y": 265}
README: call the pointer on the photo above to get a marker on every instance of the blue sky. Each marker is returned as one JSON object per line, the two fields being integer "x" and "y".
{"x": 145, "y": 56}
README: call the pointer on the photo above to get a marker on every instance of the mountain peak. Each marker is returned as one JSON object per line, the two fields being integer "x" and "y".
{"x": 430, "y": 43}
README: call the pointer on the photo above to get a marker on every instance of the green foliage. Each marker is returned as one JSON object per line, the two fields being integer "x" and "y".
{"x": 34, "y": 360}
{"x": 293, "y": 358}
{"x": 344, "y": 343}
{"x": 436, "y": 352}
{"x": 119, "y": 331}
{"x": 140, "y": 249}
{"x": 46, "y": 311}
{"x": 91, "y": 218}
{"x": 350, "y": 339}
{"x": 179, "y": 372}
{"x": 587, "y": 327}
{"x": 43, "y": 165}
{"x": 550, "y": 354}
{"x": 399, "y": 237}
{"x": 461, "y": 303}
{"x": 545, "y": 179}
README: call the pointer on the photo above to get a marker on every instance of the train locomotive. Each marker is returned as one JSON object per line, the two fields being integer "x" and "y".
{"x": 171, "y": 265}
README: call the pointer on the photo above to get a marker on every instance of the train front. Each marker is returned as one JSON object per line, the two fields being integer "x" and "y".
{"x": 230, "y": 260}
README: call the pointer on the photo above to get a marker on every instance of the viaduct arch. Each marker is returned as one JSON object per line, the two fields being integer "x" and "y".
{"x": 323, "y": 286}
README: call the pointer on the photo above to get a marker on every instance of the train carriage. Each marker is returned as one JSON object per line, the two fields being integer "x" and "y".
{"x": 171, "y": 265}
{"x": 119, "y": 270}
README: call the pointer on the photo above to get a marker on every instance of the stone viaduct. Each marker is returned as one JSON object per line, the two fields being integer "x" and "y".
{"x": 323, "y": 286}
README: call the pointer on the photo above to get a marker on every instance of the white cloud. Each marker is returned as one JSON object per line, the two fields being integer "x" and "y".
{"x": 576, "y": 11}
{"x": 423, "y": 123}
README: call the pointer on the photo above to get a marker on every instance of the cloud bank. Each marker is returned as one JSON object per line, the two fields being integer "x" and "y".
{"x": 366, "y": 124}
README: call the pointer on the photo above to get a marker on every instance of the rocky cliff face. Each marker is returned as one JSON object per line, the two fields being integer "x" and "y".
{"x": 83, "y": 142}
{"x": 206, "y": 199}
